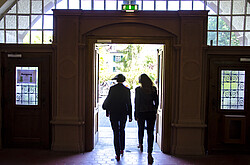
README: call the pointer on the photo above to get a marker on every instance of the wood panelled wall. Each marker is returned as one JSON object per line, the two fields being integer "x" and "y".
{"x": 187, "y": 99}
{"x": 73, "y": 73}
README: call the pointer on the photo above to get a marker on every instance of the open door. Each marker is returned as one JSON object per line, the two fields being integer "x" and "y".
{"x": 160, "y": 53}
{"x": 96, "y": 97}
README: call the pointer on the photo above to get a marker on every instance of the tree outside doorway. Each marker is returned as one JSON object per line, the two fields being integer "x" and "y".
{"x": 131, "y": 60}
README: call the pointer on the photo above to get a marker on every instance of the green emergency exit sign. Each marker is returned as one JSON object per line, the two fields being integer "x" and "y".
{"x": 129, "y": 7}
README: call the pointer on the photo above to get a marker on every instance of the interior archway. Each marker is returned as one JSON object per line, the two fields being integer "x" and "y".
{"x": 182, "y": 107}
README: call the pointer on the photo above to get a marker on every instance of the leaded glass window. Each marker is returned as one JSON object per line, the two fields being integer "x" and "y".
{"x": 232, "y": 89}
{"x": 228, "y": 21}
{"x": 26, "y": 85}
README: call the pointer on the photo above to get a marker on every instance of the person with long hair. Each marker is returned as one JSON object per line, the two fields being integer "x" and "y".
{"x": 146, "y": 104}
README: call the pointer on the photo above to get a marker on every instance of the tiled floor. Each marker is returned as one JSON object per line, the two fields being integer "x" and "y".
{"x": 103, "y": 154}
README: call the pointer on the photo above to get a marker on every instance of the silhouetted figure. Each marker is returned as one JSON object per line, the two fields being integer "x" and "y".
{"x": 146, "y": 104}
{"x": 118, "y": 106}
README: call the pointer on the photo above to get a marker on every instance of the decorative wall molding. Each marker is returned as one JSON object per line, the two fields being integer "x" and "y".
{"x": 67, "y": 122}
{"x": 189, "y": 125}
{"x": 184, "y": 30}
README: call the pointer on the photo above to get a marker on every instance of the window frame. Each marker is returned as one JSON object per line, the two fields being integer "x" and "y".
{"x": 231, "y": 111}
{"x": 236, "y": 37}
{"x": 38, "y": 84}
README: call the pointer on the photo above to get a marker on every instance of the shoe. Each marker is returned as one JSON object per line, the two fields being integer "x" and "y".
{"x": 150, "y": 159}
{"x": 122, "y": 152}
{"x": 117, "y": 157}
{"x": 141, "y": 147}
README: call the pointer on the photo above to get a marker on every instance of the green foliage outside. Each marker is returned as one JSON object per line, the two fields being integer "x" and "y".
{"x": 36, "y": 38}
{"x": 224, "y": 36}
{"x": 136, "y": 60}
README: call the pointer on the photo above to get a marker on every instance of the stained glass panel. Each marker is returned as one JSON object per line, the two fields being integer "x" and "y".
{"x": 232, "y": 89}
{"x": 26, "y": 85}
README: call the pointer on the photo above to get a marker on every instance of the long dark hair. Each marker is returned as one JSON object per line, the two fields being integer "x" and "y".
{"x": 146, "y": 83}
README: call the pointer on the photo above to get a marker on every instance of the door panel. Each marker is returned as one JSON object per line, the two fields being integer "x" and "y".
{"x": 228, "y": 112}
{"x": 26, "y": 96}
{"x": 96, "y": 97}
{"x": 160, "y": 92}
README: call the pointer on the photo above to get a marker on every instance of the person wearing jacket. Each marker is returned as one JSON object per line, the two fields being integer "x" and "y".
{"x": 146, "y": 104}
{"x": 118, "y": 107}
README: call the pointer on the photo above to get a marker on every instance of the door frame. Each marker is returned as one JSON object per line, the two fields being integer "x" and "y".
{"x": 167, "y": 83}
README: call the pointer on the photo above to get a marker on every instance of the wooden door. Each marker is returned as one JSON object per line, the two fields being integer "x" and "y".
{"x": 228, "y": 111}
{"x": 26, "y": 98}
{"x": 96, "y": 96}
{"x": 160, "y": 93}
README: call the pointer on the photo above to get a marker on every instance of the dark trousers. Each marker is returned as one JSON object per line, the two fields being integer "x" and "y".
{"x": 118, "y": 127}
{"x": 150, "y": 118}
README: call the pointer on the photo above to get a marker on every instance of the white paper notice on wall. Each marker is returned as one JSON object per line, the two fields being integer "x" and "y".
{"x": 26, "y": 76}
{"x": 245, "y": 59}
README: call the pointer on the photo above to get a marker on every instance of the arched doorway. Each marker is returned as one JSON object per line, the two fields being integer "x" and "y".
{"x": 184, "y": 35}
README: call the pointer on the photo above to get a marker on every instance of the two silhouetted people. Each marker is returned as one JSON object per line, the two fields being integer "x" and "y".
{"x": 118, "y": 107}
